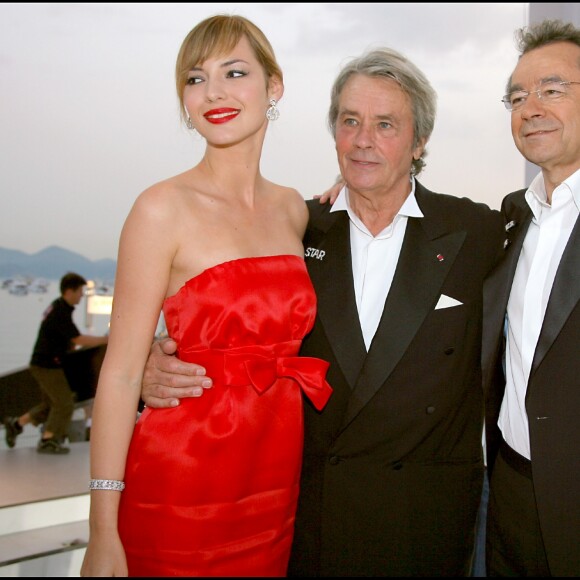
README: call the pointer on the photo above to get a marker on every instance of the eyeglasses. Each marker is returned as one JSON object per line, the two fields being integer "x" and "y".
{"x": 548, "y": 92}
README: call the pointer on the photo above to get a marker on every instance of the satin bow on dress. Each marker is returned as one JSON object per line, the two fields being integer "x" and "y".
{"x": 262, "y": 366}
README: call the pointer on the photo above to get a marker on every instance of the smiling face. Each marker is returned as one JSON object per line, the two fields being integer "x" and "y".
{"x": 375, "y": 136}
{"x": 227, "y": 95}
{"x": 548, "y": 134}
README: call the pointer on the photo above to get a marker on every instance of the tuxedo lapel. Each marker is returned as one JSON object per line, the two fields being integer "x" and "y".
{"x": 498, "y": 285}
{"x": 331, "y": 275}
{"x": 425, "y": 260}
{"x": 563, "y": 298}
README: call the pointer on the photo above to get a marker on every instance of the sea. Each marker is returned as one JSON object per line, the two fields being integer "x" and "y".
{"x": 20, "y": 318}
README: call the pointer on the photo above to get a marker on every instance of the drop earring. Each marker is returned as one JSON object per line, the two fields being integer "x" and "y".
{"x": 272, "y": 113}
{"x": 188, "y": 122}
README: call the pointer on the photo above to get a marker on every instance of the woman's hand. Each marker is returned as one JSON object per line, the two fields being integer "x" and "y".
{"x": 105, "y": 555}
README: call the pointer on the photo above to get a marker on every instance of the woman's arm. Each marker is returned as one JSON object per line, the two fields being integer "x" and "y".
{"x": 146, "y": 251}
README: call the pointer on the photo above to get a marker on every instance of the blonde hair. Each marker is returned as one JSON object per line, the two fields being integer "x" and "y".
{"x": 218, "y": 35}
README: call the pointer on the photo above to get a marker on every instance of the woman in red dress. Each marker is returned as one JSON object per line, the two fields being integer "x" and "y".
{"x": 209, "y": 488}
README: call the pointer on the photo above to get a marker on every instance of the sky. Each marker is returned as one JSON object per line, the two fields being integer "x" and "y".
{"x": 89, "y": 117}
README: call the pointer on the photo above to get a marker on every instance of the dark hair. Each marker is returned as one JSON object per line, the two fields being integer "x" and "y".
{"x": 541, "y": 34}
{"x": 389, "y": 64}
{"x": 546, "y": 32}
{"x": 71, "y": 281}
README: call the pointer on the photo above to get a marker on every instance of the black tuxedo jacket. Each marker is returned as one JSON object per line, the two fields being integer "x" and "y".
{"x": 553, "y": 392}
{"x": 392, "y": 471}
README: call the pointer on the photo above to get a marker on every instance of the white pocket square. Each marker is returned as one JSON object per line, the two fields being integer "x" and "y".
{"x": 447, "y": 302}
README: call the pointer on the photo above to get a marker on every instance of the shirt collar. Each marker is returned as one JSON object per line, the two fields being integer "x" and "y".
{"x": 64, "y": 303}
{"x": 410, "y": 207}
{"x": 536, "y": 196}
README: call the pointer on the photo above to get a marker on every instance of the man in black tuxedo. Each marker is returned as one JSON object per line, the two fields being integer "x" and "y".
{"x": 531, "y": 352}
{"x": 393, "y": 468}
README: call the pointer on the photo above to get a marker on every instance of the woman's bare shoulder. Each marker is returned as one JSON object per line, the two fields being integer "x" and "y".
{"x": 290, "y": 204}
{"x": 295, "y": 200}
{"x": 285, "y": 194}
{"x": 164, "y": 196}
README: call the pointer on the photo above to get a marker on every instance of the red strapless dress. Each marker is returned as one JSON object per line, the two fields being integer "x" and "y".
{"x": 212, "y": 485}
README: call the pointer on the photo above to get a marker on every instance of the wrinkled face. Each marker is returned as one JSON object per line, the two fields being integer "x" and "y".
{"x": 227, "y": 96}
{"x": 374, "y": 135}
{"x": 548, "y": 133}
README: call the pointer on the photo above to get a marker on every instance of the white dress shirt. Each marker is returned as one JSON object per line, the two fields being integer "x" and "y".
{"x": 540, "y": 257}
{"x": 374, "y": 259}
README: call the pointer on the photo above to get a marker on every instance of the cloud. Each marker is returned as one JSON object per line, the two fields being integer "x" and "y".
{"x": 89, "y": 115}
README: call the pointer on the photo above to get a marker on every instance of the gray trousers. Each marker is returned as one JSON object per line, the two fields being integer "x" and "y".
{"x": 57, "y": 404}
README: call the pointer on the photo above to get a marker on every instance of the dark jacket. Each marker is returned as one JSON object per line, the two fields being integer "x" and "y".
{"x": 55, "y": 335}
{"x": 553, "y": 392}
{"x": 392, "y": 472}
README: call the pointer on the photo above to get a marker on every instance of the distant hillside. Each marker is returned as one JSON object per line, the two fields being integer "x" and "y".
{"x": 52, "y": 263}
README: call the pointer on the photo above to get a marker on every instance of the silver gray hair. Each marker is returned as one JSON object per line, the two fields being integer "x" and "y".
{"x": 390, "y": 64}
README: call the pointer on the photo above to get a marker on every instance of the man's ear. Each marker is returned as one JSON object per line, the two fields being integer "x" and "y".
{"x": 419, "y": 148}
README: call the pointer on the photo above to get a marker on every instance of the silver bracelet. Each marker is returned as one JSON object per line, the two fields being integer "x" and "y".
{"x": 111, "y": 484}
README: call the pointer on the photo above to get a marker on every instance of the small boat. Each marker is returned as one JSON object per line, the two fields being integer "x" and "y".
{"x": 104, "y": 289}
{"x": 18, "y": 288}
{"x": 39, "y": 286}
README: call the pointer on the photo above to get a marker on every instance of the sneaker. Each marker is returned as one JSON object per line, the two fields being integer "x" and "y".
{"x": 13, "y": 429}
{"x": 51, "y": 446}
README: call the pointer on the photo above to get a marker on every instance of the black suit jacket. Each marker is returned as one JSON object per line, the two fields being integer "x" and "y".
{"x": 553, "y": 392}
{"x": 392, "y": 470}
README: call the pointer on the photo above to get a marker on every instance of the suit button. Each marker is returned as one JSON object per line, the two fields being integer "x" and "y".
{"x": 397, "y": 465}
{"x": 334, "y": 460}
{"x": 430, "y": 410}
{"x": 449, "y": 350}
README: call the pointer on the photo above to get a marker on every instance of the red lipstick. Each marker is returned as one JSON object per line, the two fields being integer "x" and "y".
{"x": 223, "y": 115}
